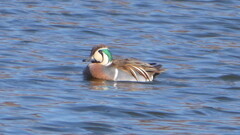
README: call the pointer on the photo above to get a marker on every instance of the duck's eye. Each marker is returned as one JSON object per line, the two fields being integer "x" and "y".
{"x": 101, "y": 52}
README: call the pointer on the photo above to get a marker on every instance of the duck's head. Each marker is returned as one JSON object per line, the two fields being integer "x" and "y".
{"x": 101, "y": 54}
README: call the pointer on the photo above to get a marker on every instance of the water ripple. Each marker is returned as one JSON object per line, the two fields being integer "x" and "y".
{"x": 42, "y": 44}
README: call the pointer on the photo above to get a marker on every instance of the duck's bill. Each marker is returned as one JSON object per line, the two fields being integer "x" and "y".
{"x": 87, "y": 60}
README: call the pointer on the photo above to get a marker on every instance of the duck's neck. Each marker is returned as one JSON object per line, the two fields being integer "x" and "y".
{"x": 109, "y": 63}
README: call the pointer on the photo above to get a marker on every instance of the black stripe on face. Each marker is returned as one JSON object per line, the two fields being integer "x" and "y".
{"x": 101, "y": 52}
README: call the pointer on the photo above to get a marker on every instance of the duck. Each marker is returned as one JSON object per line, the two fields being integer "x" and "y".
{"x": 104, "y": 67}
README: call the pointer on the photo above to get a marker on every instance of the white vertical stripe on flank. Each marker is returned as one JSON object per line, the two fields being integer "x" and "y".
{"x": 116, "y": 74}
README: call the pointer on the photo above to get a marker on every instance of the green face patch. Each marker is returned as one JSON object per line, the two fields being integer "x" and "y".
{"x": 108, "y": 53}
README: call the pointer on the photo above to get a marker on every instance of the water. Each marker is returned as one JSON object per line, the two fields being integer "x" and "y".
{"x": 42, "y": 44}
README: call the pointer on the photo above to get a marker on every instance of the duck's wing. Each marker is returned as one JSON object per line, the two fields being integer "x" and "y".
{"x": 136, "y": 67}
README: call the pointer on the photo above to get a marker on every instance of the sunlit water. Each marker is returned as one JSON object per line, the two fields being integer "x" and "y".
{"x": 42, "y": 44}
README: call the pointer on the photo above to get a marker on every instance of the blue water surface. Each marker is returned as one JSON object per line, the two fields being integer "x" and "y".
{"x": 43, "y": 43}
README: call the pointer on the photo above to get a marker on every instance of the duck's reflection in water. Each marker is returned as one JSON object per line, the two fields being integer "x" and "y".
{"x": 126, "y": 86}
